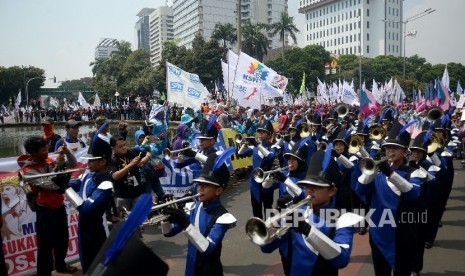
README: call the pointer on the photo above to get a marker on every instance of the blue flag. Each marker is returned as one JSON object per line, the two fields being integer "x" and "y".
{"x": 459, "y": 88}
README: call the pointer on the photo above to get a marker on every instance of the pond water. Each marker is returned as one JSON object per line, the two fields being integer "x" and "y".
{"x": 12, "y": 138}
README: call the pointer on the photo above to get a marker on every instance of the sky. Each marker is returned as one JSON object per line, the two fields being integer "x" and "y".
{"x": 60, "y": 36}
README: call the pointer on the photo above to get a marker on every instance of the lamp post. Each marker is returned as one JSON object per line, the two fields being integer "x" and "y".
{"x": 360, "y": 53}
{"x": 27, "y": 91}
{"x": 405, "y": 34}
{"x": 239, "y": 27}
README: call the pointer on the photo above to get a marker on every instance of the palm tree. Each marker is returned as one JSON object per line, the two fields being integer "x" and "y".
{"x": 254, "y": 41}
{"x": 225, "y": 32}
{"x": 283, "y": 26}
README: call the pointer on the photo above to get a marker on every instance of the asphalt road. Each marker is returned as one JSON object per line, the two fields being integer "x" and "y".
{"x": 241, "y": 257}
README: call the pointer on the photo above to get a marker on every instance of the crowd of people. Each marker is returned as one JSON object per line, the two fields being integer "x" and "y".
{"x": 331, "y": 159}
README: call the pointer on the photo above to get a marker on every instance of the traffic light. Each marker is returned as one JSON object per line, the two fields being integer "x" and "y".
{"x": 54, "y": 79}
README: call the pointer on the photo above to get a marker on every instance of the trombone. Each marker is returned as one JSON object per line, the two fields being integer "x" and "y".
{"x": 46, "y": 183}
{"x": 169, "y": 154}
{"x": 263, "y": 232}
{"x": 259, "y": 175}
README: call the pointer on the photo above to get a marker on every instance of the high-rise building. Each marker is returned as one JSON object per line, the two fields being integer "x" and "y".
{"x": 161, "y": 30}
{"x": 105, "y": 47}
{"x": 266, "y": 12}
{"x": 143, "y": 29}
{"x": 366, "y": 27}
{"x": 200, "y": 16}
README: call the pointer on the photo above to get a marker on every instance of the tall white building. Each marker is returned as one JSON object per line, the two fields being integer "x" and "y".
{"x": 143, "y": 29}
{"x": 367, "y": 27}
{"x": 267, "y": 12}
{"x": 200, "y": 16}
{"x": 105, "y": 47}
{"x": 161, "y": 30}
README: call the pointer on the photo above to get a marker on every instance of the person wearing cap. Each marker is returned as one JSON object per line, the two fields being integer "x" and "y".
{"x": 48, "y": 203}
{"x": 263, "y": 155}
{"x": 71, "y": 139}
{"x": 208, "y": 221}
{"x": 428, "y": 197}
{"x": 290, "y": 140}
{"x": 315, "y": 245}
{"x": 442, "y": 158}
{"x": 297, "y": 160}
{"x": 392, "y": 192}
{"x": 90, "y": 195}
{"x": 48, "y": 129}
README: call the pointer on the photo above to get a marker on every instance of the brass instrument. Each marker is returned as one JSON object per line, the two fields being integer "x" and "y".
{"x": 46, "y": 183}
{"x": 155, "y": 217}
{"x": 435, "y": 142}
{"x": 369, "y": 166}
{"x": 434, "y": 113}
{"x": 355, "y": 144}
{"x": 342, "y": 110}
{"x": 263, "y": 232}
{"x": 169, "y": 154}
{"x": 259, "y": 175}
{"x": 376, "y": 132}
{"x": 322, "y": 145}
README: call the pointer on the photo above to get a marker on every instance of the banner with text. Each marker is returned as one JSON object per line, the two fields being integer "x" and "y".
{"x": 184, "y": 88}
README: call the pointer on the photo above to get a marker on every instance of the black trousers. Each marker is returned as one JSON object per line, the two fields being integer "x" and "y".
{"x": 52, "y": 239}
{"x": 3, "y": 271}
{"x": 259, "y": 207}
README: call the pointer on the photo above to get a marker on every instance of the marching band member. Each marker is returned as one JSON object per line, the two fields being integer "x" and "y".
{"x": 90, "y": 196}
{"x": 263, "y": 157}
{"x": 443, "y": 159}
{"x": 290, "y": 140}
{"x": 208, "y": 220}
{"x": 314, "y": 245}
{"x": 48, "y": 203}
{"x": 392, "y": 194}
{"x": 297, "y": 161}
{"x": 429, "y": 192}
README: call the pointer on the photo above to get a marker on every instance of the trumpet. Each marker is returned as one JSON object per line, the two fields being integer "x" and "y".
{"x": 322, "y": 145}
{"x": 169, "y": 154}
{"x": 263, "y": 232}
{"x": 369, "y": 166}
{"x": 155, "y": 217}
{"x": 435, "y": 142}
{"x": 376, "y": 132}
{"x": 259, "y": 175}
{"x": 46, "y": 183}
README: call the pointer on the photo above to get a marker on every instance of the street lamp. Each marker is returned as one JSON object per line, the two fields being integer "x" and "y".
{"x": 360, "y": 52}
{"x": 405, "y": 34}
{"x": 27, "y": 91}
{"x": 411, "y": 33}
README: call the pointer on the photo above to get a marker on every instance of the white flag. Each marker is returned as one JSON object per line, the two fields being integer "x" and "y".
{"x": 184, "y": 88}
{"x": 96, "y": 101}
{"x": 18, "y": 99}
{"x": 82, "y": 101}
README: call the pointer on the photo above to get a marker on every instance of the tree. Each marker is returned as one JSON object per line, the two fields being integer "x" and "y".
{"x": 254, "y": 42}
{"x": 225, "y": 33}
{"x": 284, "y": 26}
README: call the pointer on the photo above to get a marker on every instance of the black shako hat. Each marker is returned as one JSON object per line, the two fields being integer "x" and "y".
{"x": 398, "y": 135}
{"x": 421, "y": 141}
{"x": 210, "y": 129}
{"x": 323, "y": 170}
{"x": 267, "y": 126}
{"x": 99, "y": 148}
{"x": 215, "y": 171}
